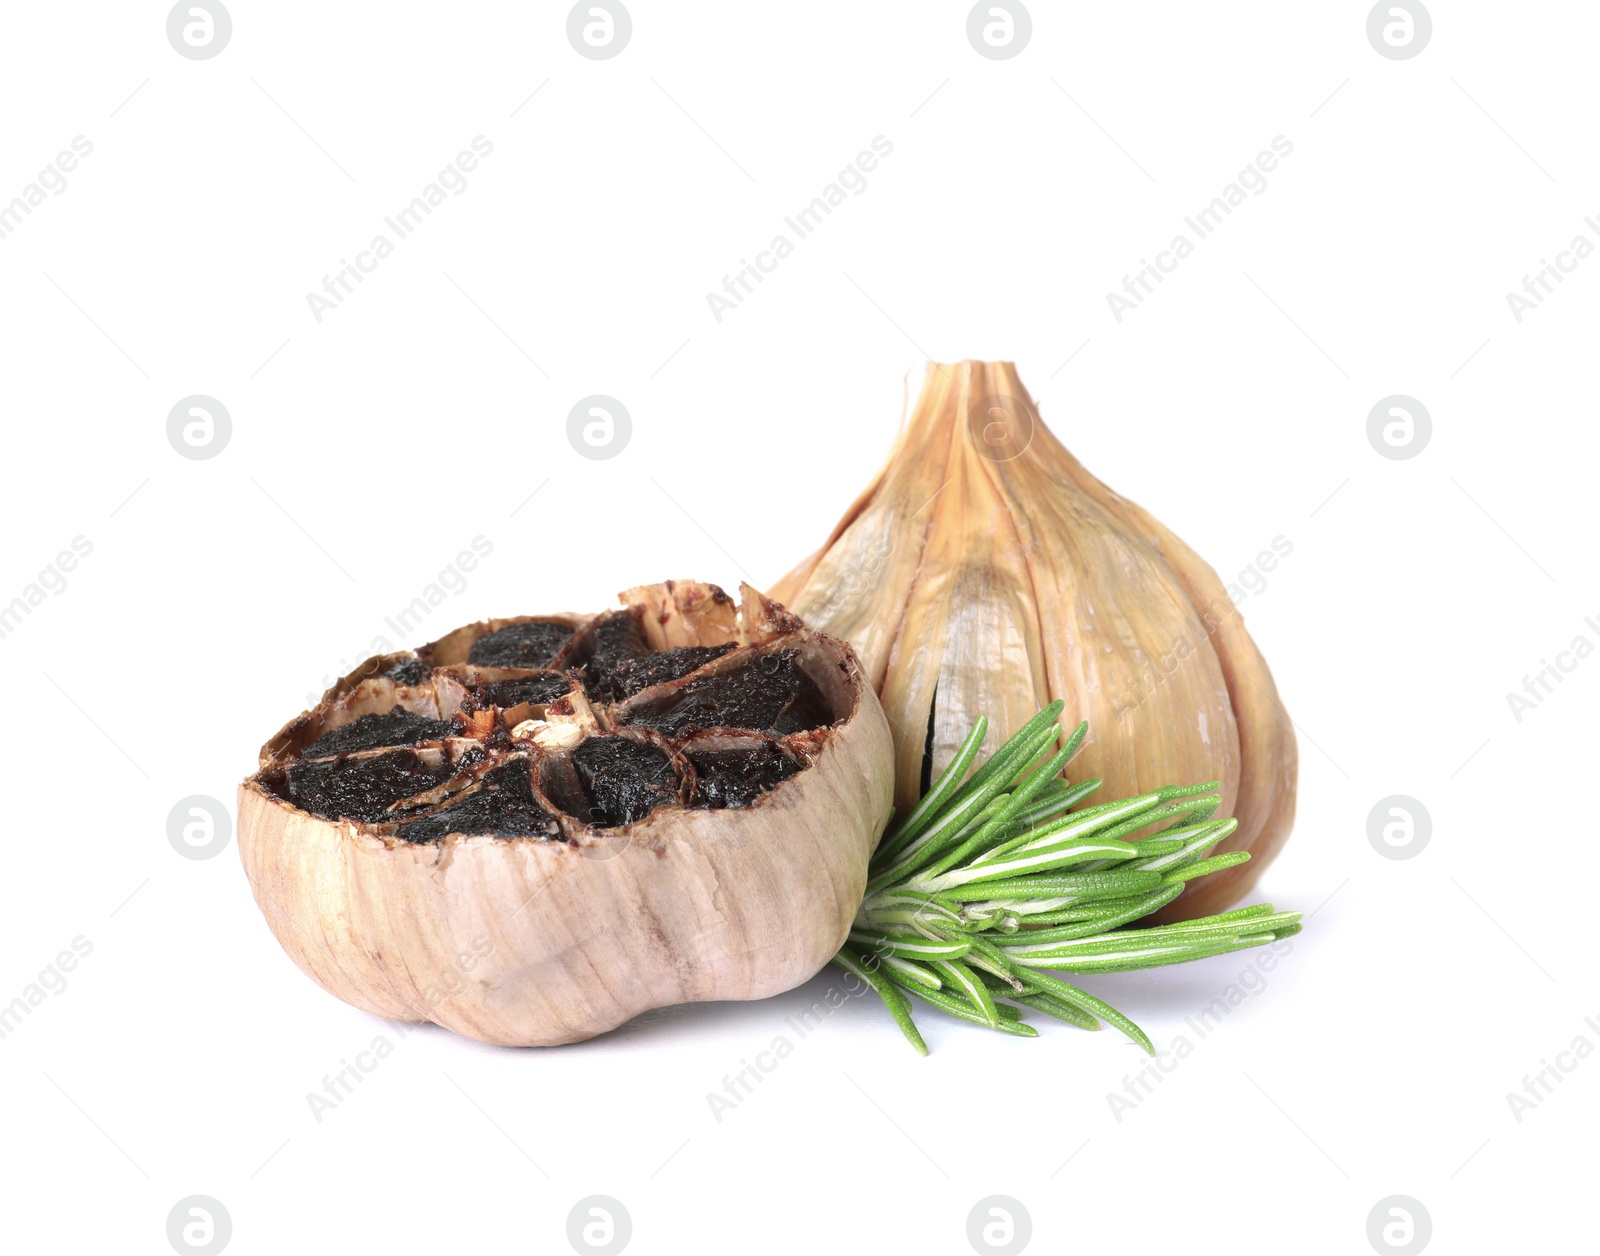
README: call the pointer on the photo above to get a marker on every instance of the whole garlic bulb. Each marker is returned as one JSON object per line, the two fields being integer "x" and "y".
{"x": 986, "y": 572}
{"x": 534, "y": 829}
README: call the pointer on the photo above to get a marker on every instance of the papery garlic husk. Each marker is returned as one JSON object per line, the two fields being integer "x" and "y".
{"x": 986, "y": 572}
{"x": 497, "y": 895}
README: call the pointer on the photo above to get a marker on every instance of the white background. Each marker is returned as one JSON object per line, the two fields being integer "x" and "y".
{"x": 369, "y": 448}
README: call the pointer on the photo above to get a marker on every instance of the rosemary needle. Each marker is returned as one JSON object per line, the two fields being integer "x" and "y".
{"x": 997, "y": 876}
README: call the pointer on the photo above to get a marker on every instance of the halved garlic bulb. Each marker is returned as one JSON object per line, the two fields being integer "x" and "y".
{"x": 534, "y": 829}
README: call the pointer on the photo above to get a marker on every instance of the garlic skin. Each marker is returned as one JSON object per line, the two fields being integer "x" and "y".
{"x": 521, "y": 941}
{"x": 984, "y": 571}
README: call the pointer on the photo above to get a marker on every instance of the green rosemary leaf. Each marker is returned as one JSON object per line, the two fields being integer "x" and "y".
{"x": 1183, "y": 791}
{"x": 949, "y": 781}
{"x": 1008, "y": 1020}
{"x": 1238, "y": 913}
{"x": 938, "y": 838}
{"x": 1188, "y": 933}
{"x": 1184, "y": 807}
{"x": 970, "y": 802}
{"x": 1001, "y": 987}
{"x": 896, "y": 1002}
{"x": 1086, "y": 1002}
{"x": 1052, "y": 802}
{"x": 1228, "y": 922}
{"x": 1150, "y": 847}
{"x": 1051, "y": 912}
{"x": 1127, "y": 950}
{"x": 1211, "y": 833}
{"x": 1019, "y": 864}
{"x": 901, "y": 971}
{"x": 923, "y": 912}
{"x": 1157, "y": 958}
{"x": 1076, "y": 824}
{"x": 957, "y": 976}
{"x": 990, "y": 959}
{"x": 1004, "y": 763}
{"x": 1052, "y": 1006}
{"x": 1045, "y": 779}
{"x": 992, "y": 831}
{"x": 1081, "y": 886}
{"x": 1108, "y": 917}
{"x": 1115, "y": 957}
{"x": 1216, "y": 863}
{"x": 1076, "y": 737}
{"x": 907, "y": 946}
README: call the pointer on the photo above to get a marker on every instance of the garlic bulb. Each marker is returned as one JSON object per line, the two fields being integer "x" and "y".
{"x": 534, "y": 829}
{"x": 986, "y": 572}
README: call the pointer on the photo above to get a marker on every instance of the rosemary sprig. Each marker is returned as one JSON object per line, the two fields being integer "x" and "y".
{"x": 995, "y": 877}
